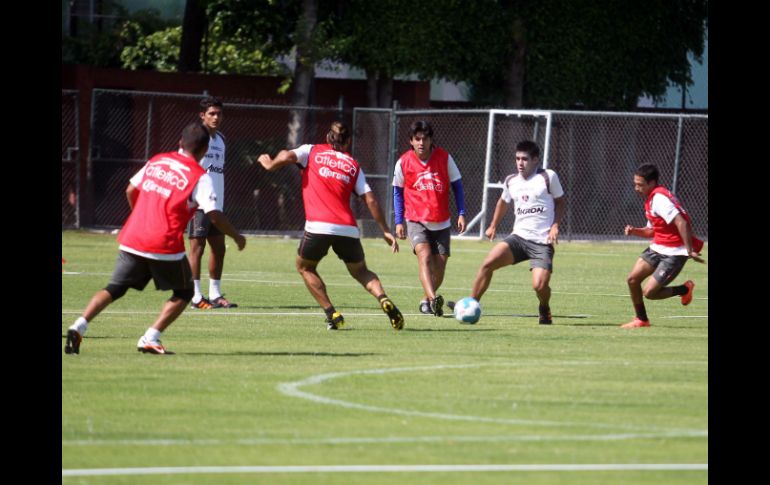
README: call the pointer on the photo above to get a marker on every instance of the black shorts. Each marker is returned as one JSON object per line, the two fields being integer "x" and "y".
{"x": 666, "y": 267}
{"x": 200, "y": 226}
{"x": 315, "y": 246}
{"x": 438, "y": 240}
{"x": 136, "y": 271}
{"x": 539, "y": 255}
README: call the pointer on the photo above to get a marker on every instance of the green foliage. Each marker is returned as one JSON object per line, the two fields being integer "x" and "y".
{"x": 225, "y": 54}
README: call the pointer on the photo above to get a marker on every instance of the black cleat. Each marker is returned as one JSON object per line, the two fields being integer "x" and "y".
{"x": 545, "y": 319}
{"x": 436, "y": 305}
{"x": 221, "y": 302}
{"x": 395, "y": 316}
{"x": 425, "y": 307}
{"x": 73, "y": 342}
{"x": 336, "y": 322}
{"x": 451, "y": 305}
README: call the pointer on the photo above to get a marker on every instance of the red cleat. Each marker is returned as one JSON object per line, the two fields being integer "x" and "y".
{"x": 687, "y": 297}
{"x": 636, "y": 323}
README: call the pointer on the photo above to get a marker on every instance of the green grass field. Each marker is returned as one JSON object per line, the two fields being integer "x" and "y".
{"x": 266, "y": 385}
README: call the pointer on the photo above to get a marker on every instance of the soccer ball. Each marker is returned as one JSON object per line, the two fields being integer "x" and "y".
{"x": 467, "y": 310}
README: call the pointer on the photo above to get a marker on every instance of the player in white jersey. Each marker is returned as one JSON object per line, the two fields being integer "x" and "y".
{"x": 538, "y": 199}
{"x": 200, "y": 229}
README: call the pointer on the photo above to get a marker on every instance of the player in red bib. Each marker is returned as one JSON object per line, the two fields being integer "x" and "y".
{"x": 673, "y": 243}
{"x": 421, "y": 181}
{"x": 329, "y": 177}
{"x": 163, "y": 196}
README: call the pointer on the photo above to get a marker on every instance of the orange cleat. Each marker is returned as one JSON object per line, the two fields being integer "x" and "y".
{"x": 687, "y": 297}
{"x": 636, "y": 323}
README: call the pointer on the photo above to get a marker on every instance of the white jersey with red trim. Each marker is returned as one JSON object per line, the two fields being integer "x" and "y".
{"x": 533, "y": 204}
{"x": 214, "y": 164}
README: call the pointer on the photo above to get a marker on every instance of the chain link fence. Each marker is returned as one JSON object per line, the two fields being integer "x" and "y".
{"x": 69, "y": 157}
{"x": 595, "y": 155}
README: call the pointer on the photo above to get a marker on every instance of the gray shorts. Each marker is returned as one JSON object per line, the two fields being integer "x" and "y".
{"x": 666, "y": 267}
{"x": 136, "y": 271}
{"x": 539, "y": 255}
{"x": 438, "y": 240}
{"x": 200, "y": 226}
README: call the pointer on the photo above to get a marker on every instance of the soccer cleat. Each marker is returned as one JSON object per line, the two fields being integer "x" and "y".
{"x": 395, "y": 316}
{"x": 147, "y": 346}
{"x": 687, "y": 297}
{"x": 72, "y": 346}
{"x": 335, "y": 322}
{"x": 425, "y": 307}
{"x": 203, "y": 304}
{"x": 451, "y": 305}
{"x": 436, "y": 305}
{"x": 221, "y": 302}
{"x": 636, "y": 323}
{"x": 545, "y": 319}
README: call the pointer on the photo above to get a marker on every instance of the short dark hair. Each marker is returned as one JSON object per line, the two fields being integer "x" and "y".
{"x": 195, "y": 136}
{"x": 648, "y": 171}
{"x": 530, "y": 147}
{"x": 338, "y": 136}
{"x": 209, "y": 101}
{"x": 420, "y": 126}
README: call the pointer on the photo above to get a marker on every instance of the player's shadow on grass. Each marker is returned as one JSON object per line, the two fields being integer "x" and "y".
{"x": 285, "y": 354}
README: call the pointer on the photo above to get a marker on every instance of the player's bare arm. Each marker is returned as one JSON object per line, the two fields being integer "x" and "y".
{"x": 685, "y": 232}
{"x": 284, "y": 157}
{"x": 500, "y": 209}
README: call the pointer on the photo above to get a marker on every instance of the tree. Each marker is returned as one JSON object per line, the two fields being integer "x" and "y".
{"x": 598, "y": 55}
{"x": 194, "y": 26}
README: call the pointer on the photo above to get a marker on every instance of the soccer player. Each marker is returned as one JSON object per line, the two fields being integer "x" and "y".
{"x": 673, "y": 243}
{"x": 538, "y": 197}
{"x": 329, "y": 177}
{"x": 200, "y": 229}
{"x": 421, "y": 182}
{"x": 163, "y": 196}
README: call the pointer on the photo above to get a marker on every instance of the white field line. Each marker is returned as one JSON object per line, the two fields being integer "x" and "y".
{"x": 380, "y": 440}
{"x": 407, "y": 287}
{"x": 293, "y": 389}
{"x": 196, "y": 470}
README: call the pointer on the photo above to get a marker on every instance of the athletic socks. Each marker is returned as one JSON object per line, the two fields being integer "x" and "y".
{"x": 641, "y": 312}
{"x": 80, "y": 326}
{"x": 214, "y": 290}
{"x": 198, "y": 295}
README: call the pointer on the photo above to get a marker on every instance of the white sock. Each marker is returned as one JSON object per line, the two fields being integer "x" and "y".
{"x": 152, "y": 334}
{"x": 80, "y": 325}
{"x": 214, "y": 291}
{"x": 198, "y": 295}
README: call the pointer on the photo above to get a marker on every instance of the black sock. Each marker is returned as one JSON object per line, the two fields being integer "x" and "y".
{"x": 641, "y": 312}
{"x": 329, "y": 312}
{"x": 678, "y": 290}
{"x": 544, "y": 310}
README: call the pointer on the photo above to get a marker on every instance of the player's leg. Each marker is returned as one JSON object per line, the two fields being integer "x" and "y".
{"x": 130, "y": 271}
{"x": 500, "y": 255}
{"x": 668, "y": 269}
{"x": 312, "y": 249}
{"x": 541, "y": 278}
{"x": 216, "y": 242}
{"x": 425, "y": 264}
{"x": 440, "y": 241}
{"x": 177, "y": 277}
{"x": 198, "y": 230}
{"x": 641, "y": 270}
{"x": 351, "y": 253}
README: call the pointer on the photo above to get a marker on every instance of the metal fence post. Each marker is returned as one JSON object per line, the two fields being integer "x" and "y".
{"x": 677, "y": 155}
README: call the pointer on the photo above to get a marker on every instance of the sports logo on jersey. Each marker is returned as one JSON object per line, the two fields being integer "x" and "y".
{"x": 335, "y": 165}
{"x": 428, "y": 180}
{"x": 525, "y": 197}
{"x": 172, "y": 175}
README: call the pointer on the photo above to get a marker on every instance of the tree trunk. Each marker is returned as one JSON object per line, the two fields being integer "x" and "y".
{"x": 194, "y": 25}
{"x": 371, "y": 89}
{"x": 385, "y": 91}
{"x": 516, "y": 70}
{"x": 304, "y": 72}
